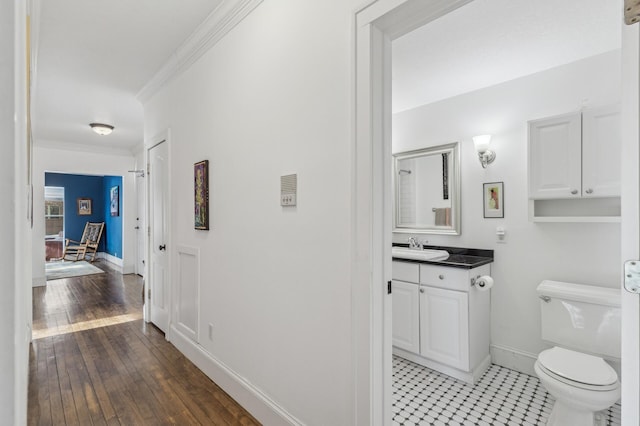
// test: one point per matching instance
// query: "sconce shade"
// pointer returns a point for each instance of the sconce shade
(485, 155)
(101, 129)
(482, 142)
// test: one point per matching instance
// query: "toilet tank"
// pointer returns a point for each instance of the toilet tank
(581, 317)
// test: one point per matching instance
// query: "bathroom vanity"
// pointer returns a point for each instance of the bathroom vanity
(441, 316)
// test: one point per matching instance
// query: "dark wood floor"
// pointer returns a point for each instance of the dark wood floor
(94, 361)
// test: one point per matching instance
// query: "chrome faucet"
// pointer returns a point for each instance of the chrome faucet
(415, 244)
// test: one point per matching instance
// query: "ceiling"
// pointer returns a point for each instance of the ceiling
(93, 57)
(487, 42)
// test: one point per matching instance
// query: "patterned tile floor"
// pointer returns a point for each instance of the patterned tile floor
(501, 397)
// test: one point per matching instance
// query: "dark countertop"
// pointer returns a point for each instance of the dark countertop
(458, 257)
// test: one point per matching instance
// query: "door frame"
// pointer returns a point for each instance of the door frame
(162, 137)
(376, 25)
(630, 221)
(141, 204)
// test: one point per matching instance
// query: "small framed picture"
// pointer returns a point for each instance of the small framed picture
(114, 199)
(201, 194)
(493, 199)
(84, 206)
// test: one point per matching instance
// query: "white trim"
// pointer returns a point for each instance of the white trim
(117, 263)
(256, 402)
(470, 377)
(630, 225)
(39, 281)
(514, 359)
(219, 22)
(184, 329)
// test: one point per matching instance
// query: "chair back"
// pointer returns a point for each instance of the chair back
(92, 233)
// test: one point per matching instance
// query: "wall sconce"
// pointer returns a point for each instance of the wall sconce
(485, 155)
(101, 128)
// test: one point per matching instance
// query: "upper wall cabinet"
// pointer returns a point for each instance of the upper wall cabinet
(576, 157)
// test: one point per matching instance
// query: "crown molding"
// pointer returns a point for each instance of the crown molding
(219, 22)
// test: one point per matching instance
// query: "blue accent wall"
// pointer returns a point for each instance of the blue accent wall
(114, 242)
(97, 188)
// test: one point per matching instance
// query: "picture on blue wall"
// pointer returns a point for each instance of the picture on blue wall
(84, 206)
(115, 201)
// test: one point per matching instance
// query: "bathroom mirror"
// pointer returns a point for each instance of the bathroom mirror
(427, 190)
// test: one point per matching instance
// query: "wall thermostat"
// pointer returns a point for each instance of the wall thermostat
(288, 190)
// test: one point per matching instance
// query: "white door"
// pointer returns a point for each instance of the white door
(630, 227)
(158, 288)
(140, 226)
(444, 326)
(406, 316)
(555, 157)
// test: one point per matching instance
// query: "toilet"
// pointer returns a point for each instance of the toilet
(583, 322)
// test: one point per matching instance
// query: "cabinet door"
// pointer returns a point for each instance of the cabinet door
(555, 157)
(444, 326)
(406, 313)
(601, 140)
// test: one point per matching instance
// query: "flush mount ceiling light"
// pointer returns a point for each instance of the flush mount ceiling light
(101, 129)
(485, 155)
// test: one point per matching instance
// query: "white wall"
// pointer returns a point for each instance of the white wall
(272, 98)
(65, 160)
(576, 252)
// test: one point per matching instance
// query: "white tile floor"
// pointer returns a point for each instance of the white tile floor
(501, 397)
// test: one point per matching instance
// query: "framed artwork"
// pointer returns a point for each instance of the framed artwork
(201, 195)
(493, 199)
(84, 206)
(114, 198)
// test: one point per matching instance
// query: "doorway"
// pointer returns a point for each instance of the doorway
(376, 27)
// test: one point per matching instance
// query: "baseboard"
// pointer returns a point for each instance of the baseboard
(39, 281)
(263, 408)
(470, 377)
(514, 359)
(116, 262)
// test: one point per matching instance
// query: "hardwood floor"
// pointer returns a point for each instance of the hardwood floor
(94, 361)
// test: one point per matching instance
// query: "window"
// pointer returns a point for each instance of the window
(54, 212)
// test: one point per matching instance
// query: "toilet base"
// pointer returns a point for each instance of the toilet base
(564, 415)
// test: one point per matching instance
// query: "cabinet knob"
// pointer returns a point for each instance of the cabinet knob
(574, 192)
(589, 191)
(441, 277)
(422, 290)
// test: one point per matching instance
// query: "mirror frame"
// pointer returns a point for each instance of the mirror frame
(454, 188)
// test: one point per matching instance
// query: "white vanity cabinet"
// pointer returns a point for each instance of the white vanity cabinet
(406, 306)
(444, 326)
(440, 320)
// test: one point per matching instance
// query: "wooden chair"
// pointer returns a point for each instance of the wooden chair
(88, 244)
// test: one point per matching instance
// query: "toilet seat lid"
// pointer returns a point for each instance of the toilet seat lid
(578, 367)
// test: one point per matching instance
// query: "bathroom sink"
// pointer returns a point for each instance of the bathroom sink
(414, 254)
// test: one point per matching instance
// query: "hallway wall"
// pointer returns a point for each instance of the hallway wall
(272, 98)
